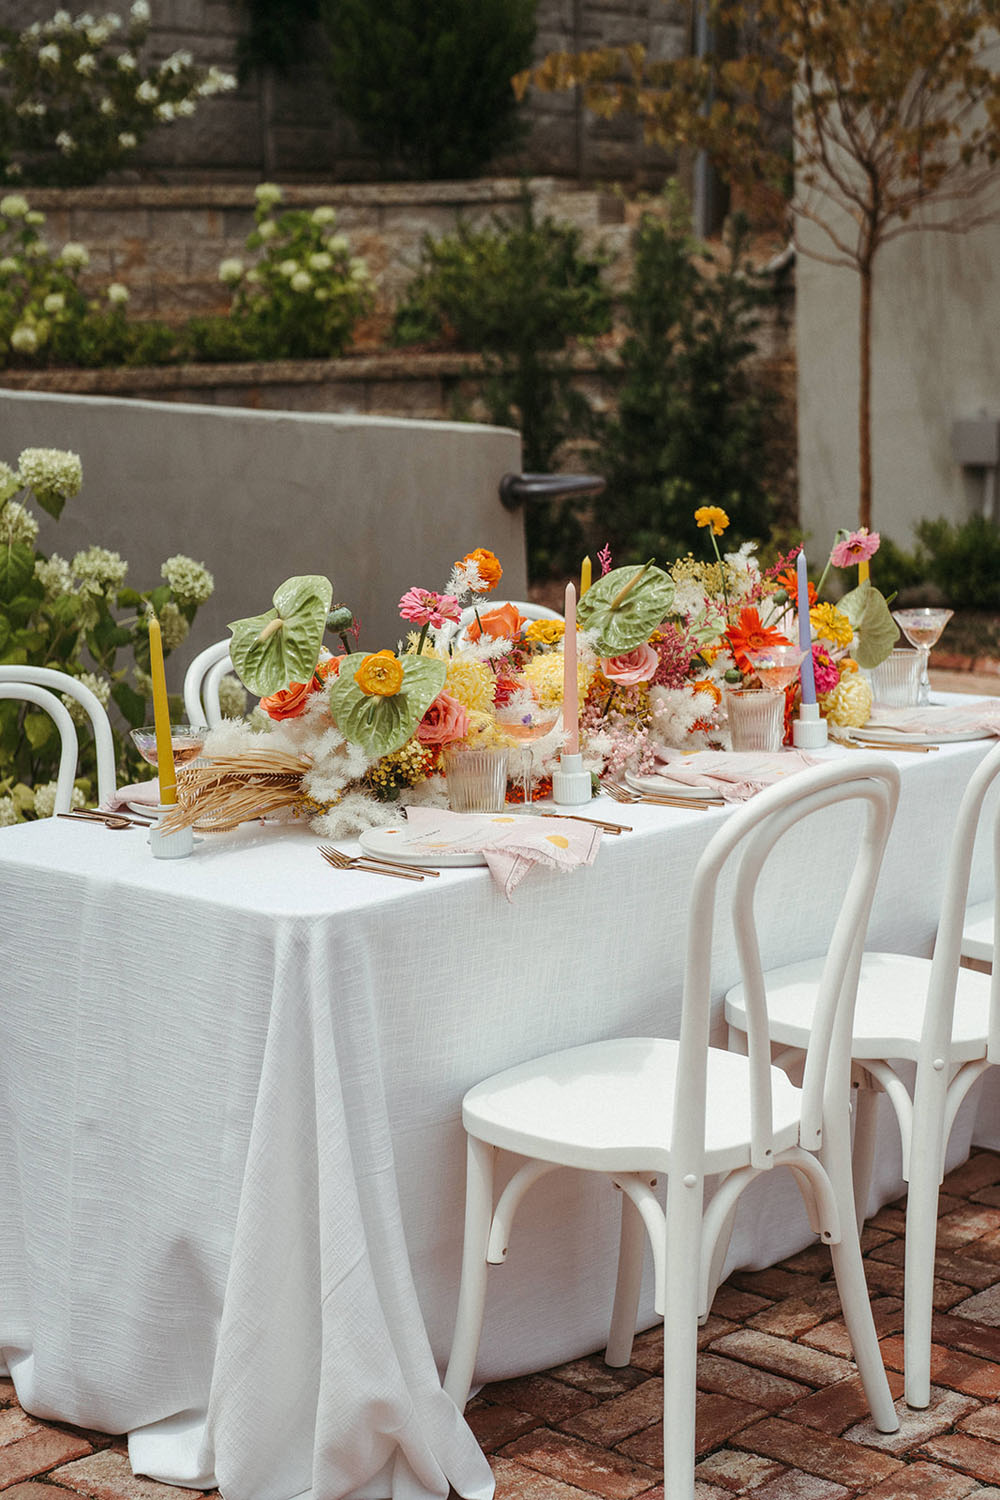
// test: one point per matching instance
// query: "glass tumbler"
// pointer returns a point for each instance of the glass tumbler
(477, 778)
(896, 681)
(756, 718)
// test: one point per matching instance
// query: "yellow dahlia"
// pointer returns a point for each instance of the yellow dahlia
(850, 703)
(545, 632)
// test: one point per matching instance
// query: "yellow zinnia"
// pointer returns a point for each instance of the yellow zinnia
(832, 624)
(380, 675)
(714, 516)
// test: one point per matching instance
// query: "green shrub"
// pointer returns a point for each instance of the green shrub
(79, 101)
(78, 616)
(963, 560)
(690, 427)
(428, 82)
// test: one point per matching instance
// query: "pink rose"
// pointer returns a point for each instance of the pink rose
(634, 666)
(444, 722)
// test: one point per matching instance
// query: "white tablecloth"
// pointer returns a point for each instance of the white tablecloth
(232, 1171)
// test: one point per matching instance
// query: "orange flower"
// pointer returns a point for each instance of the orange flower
(789, 581)
(487, 566)
(706, 685)
(506, 622)
(380, 675)
(751, 634)
(291, 701)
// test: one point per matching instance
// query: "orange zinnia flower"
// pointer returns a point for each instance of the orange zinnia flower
(751, 634)
(487, 566)
(789, 581)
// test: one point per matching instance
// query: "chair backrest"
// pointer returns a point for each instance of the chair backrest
(940, 1007)
(69, 745)
(201, 684)
(100, 724)
(749, 837)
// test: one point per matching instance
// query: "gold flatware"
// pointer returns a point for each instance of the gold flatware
(866, 744)
(381, 859)
(594, 822)
(109, 820)
(660, 799)
(341, 861)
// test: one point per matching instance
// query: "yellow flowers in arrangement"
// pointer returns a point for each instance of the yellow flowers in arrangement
(380, 675)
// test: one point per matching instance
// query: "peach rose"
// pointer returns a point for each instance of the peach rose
(444, 722)
(507, 622)
(634, 666)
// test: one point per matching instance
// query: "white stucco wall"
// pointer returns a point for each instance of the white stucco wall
(936, 360)
(376, 504)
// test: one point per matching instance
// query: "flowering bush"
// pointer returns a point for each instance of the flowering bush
(78, 616)
(302, 295)
(79, 101)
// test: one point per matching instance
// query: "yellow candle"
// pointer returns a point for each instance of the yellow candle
(585, 575)
(863, 571)
(161, 717)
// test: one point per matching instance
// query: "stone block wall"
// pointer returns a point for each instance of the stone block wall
(289, 127)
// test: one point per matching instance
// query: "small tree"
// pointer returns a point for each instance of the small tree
(428, 82)
(894, 121)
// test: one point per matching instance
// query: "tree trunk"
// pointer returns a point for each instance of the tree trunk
(865, 398)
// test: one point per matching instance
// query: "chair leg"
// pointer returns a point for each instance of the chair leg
(625, 1312)
(472, 1292)
(865, 1126)
(926, 1166)
(848, 1268)
(680, 1336)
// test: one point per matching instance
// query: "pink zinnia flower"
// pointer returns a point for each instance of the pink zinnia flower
(857, 546)
(425, 608)
(825, 669)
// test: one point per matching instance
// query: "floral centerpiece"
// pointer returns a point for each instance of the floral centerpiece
(340, 737)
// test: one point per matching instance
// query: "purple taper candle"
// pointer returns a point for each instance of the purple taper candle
(806, 672)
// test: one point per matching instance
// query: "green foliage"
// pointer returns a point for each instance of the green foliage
(79, 101)
(276, 33)
(77, 616)
(690, 424)
(518, 294)
(428, 82)
(963, 560)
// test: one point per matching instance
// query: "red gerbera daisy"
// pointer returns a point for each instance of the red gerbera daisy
(751, 634)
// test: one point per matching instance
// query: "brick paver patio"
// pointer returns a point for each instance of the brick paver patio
(781, 1415)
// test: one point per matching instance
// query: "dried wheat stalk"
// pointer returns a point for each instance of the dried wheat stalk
(236, 789)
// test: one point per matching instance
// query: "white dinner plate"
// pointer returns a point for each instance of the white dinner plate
(871, 735)
(142, 809)
(668, 788)
(398, 842)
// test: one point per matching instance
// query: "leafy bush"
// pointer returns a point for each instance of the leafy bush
(963, 560)
(690, 425)
(78, 101)
(78, 616)
(518, 294)
(428, 82)
(302, 296)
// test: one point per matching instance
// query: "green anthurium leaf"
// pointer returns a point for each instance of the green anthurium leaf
(17, 566)
(623, 626)
(267, 659)
(381, 725)
(875, 631)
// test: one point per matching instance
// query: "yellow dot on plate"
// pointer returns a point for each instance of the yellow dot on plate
(559, 839)
(503, 820)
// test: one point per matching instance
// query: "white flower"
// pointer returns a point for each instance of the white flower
(337, 244)
(126, 62)
(74, 254)
(189, 582)
(55, 575)
(85, 63)
(37, 250)
(14, 205)
(140, 12)
(45, 799)
(34, 216)
(358, 269)
(324, 214)
(32, 109)
(232, 698)
(16, 524)
(268, 193)
(84, 21)
(10, 482)
(98, 34)
(65, 141)
(127, 140)
(118, 293)
(55, 302)
(8, 812)
(49, 55)
(51, 472)
(101, 689)
(147, 93)
(177, 61)
(268, 229)
(301, 281)
(231, 270)
(320, 260)
(8, 265)
(24, 339)
(253, 276)
(107, 106)
(173, 625)
(99, 571)
(185, 107)
(288, 268)
(322, 294)
(61, 21)
(165, 111)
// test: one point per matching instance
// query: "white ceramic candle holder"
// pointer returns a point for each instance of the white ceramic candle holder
(809, 731)
(571, 784)
(174, 845)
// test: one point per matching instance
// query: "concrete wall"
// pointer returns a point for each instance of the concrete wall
(936, 360)
(377, 505)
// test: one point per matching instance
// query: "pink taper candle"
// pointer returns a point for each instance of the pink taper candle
(571, 693)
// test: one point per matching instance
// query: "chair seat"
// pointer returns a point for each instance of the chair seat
(977, 935)
(608, 1106)
(890, 1010)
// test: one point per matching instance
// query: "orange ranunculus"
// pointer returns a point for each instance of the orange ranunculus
(327, 669)
(289, 702)
(506, 622)
(487, 566)
(380, 675)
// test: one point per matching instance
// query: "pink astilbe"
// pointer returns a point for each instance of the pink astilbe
(426, 608)
(856, 547)
(675, 648)
(604, 558)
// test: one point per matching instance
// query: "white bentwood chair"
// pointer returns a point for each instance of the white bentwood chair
(39, 685)
(201, 684)
(930, 1014)
(635, 1108)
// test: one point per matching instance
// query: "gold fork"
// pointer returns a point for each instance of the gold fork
(658, 799)
(341, 861)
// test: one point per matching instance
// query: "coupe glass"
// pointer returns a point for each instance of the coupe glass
(186, 741)
(523, 720)
(922, 628)
(776, 666)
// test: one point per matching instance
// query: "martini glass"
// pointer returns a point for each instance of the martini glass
(922, 628)
(776, 666)
(523, 720)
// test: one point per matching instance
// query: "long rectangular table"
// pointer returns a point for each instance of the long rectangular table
(231, 1157)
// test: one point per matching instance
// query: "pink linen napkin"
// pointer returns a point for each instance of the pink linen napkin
(944, 718)
(512, 843)
(733, 774)
(146, 792)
